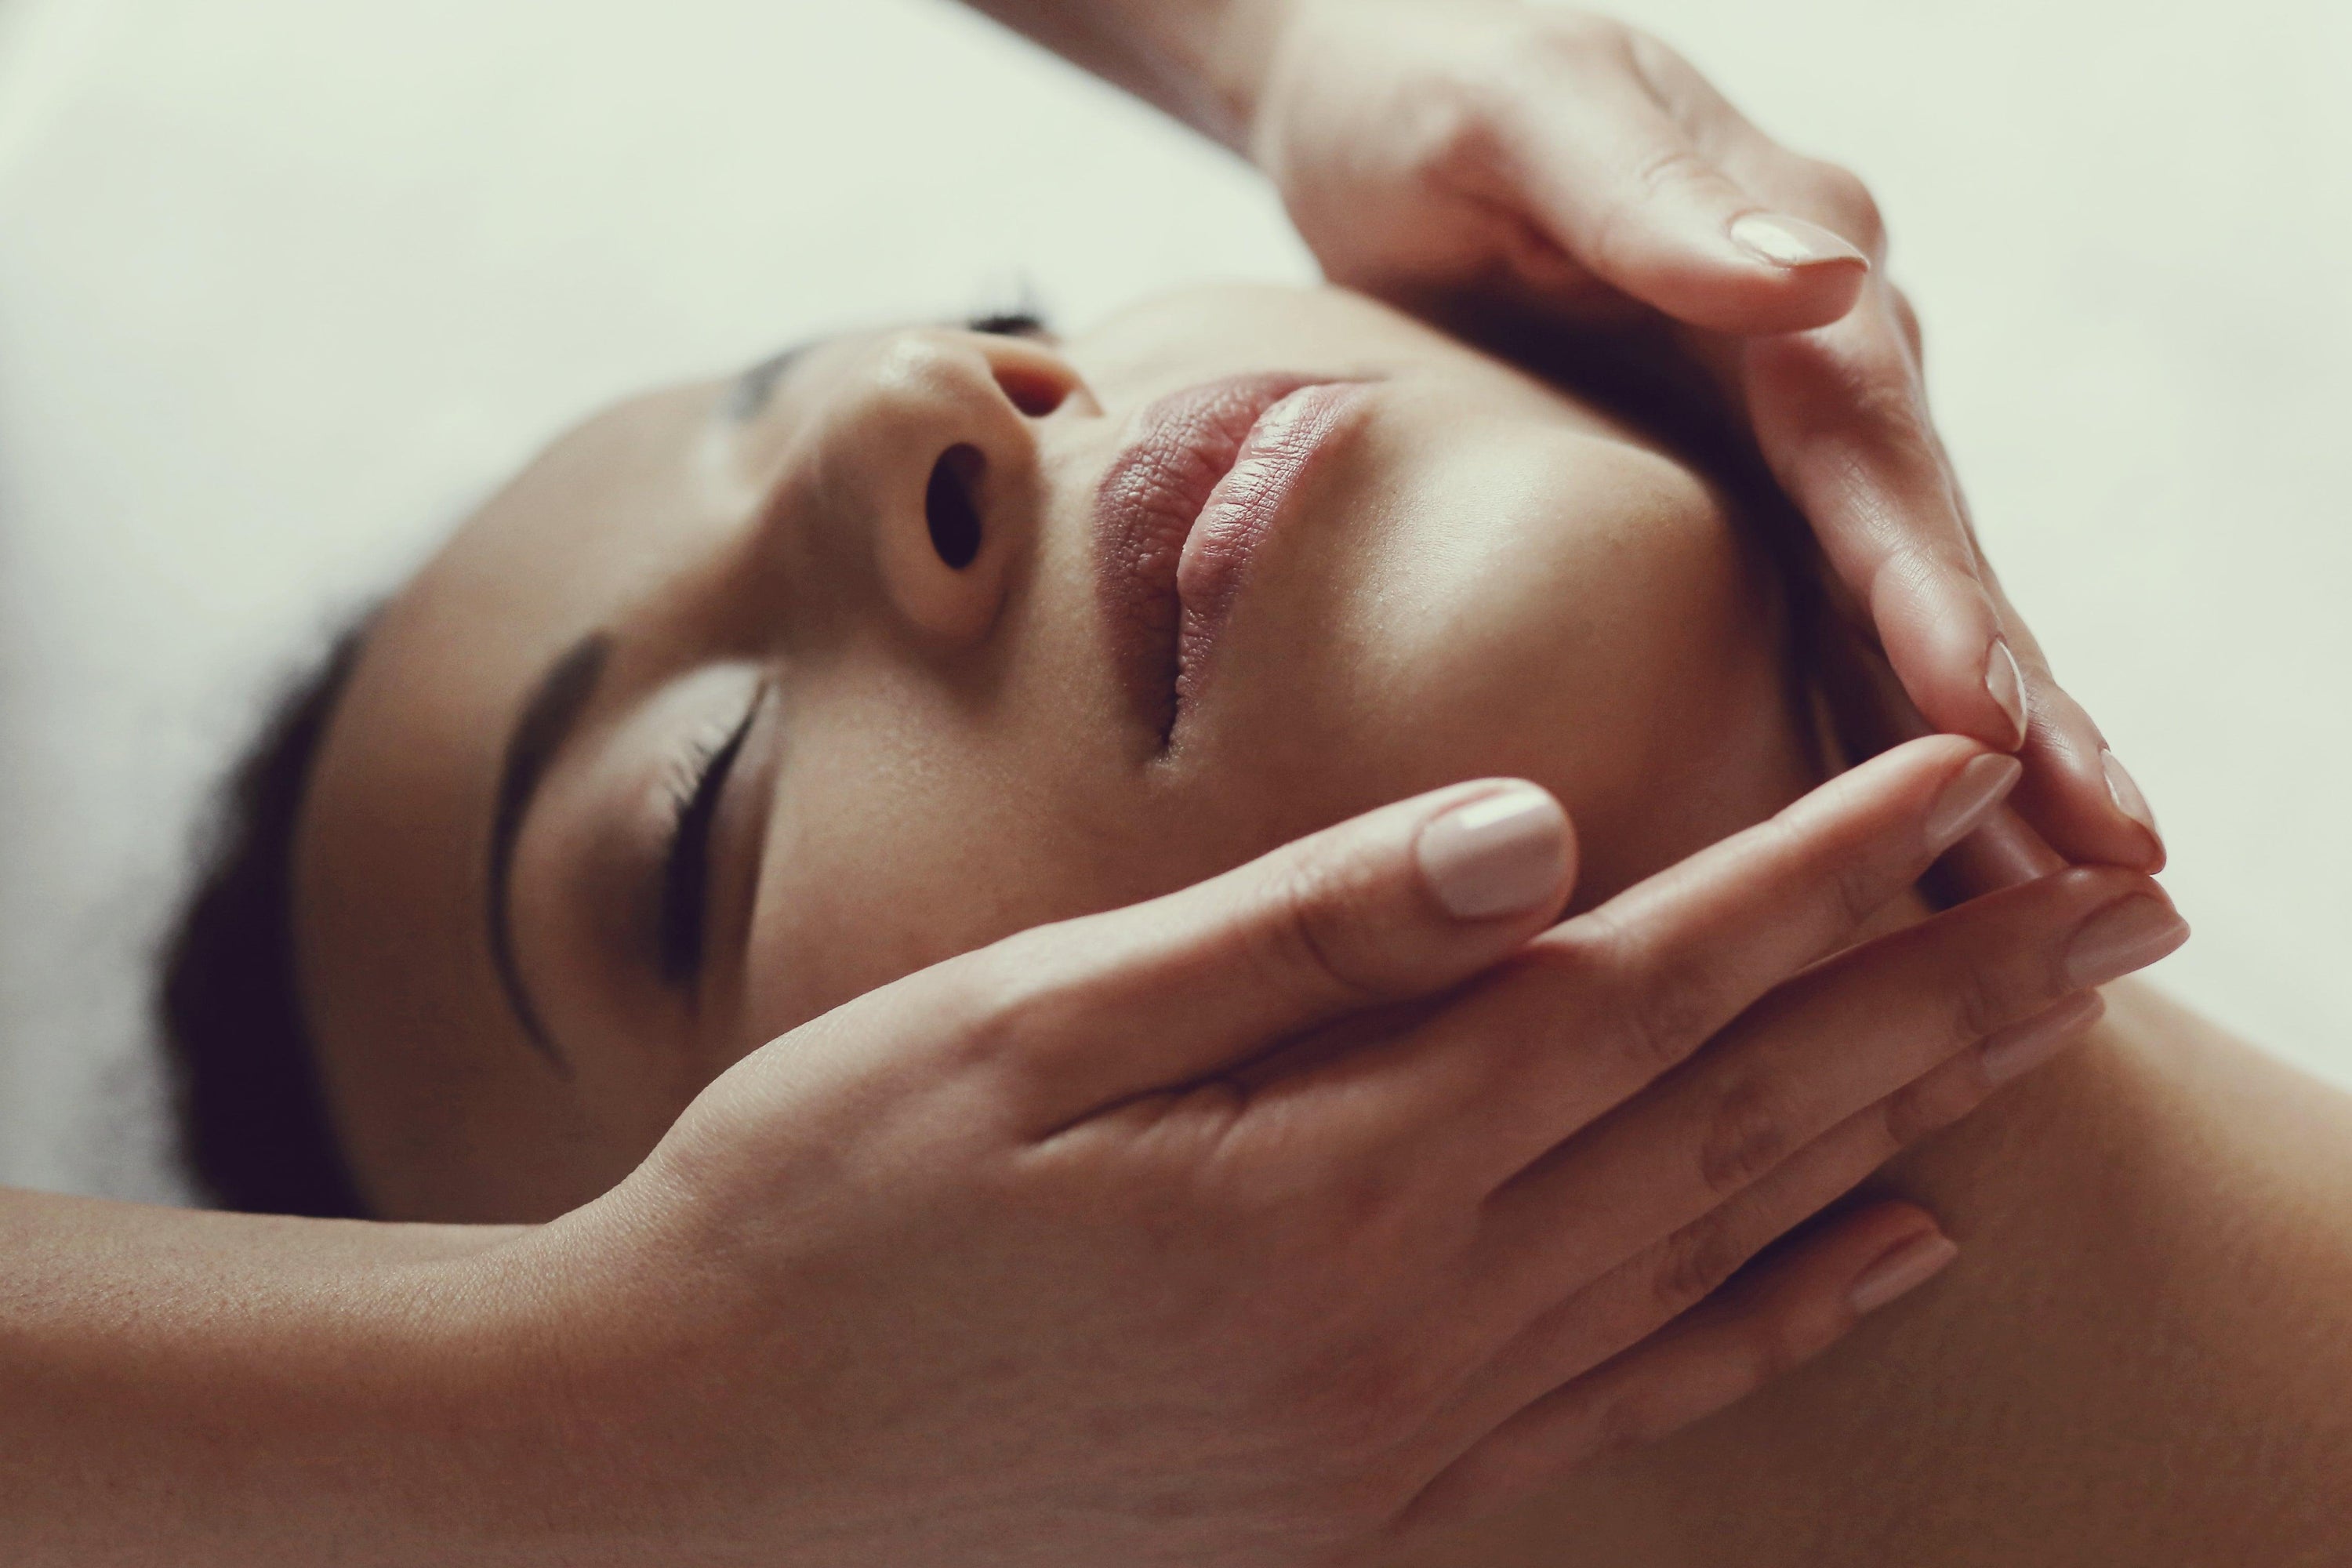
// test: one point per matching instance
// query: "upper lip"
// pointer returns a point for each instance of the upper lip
(1145, 509)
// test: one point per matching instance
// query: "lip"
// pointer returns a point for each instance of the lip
(1184, 506)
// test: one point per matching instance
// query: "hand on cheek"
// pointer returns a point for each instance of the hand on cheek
(1071, 1214)
(1571, 173)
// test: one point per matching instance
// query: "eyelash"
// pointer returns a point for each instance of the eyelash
(1008, 324)
(695, 789)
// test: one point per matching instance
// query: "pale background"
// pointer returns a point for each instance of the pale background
(284, 283)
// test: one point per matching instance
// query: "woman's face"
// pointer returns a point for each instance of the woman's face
(749, 697)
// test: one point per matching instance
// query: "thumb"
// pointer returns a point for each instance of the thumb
(1619, 185)
(1395, 905)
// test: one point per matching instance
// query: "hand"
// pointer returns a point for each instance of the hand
(1301, 1211)
(1574, 170)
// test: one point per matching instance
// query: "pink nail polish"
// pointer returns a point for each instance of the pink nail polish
(2125, 793)
(2130, 933)
(1502, 854)
(1969, 798)
(1786, 241)
(2005, 684)
(1904, 1267)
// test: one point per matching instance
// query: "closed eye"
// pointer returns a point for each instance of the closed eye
(1009, 324)
(686, 868)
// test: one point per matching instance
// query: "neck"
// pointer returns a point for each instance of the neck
(2138, 1357)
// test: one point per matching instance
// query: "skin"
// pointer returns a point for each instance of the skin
(946, 756)
(972, 772)
(1517, 167)
(2138, 1359)
(203, 1381)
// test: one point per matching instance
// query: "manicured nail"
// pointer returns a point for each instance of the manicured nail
(1904, 1267)
(1501, 854)
(1969, 798)
(2017, 1050)
(2130, 933)
(2125, 794)
(1786, 241)
(2007, 688)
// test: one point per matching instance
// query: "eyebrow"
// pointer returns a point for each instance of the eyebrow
(755, 386)
(545, 722)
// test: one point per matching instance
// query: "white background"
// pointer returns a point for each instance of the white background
(285, 283)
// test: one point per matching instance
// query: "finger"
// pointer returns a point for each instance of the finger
(1841, 417)
(1673, 1275)
(1763, 1327)
(1395, 904)
(1590, 1012)
(1602, 169)
(2076, 793)
(1894, 1010)
(1872, 712)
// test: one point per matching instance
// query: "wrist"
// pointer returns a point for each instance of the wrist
(255, 1390)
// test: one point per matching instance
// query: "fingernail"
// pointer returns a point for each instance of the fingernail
(2006, 687)
(1786, 241)
(2125, 794)
(2130, 933)
(2017, 1050)
(1904, 1267)
(1502, 854)
(1969, 798)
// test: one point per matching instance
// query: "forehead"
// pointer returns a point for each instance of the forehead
(417, 1054)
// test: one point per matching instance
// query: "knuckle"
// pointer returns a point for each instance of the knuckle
(1858, 890)
(1671, 169)
(1358, 1403)
(1855, 382)
(1566, 46)
(1850, 207)
(1773, 1346)
(1746, 1135)
(1310, 930)
(1990, 994)
(1009, 997)
(1625, 1424)
(1664, 1009)
(1929, 1105)
(1450, 115)
(1693, 1263)
(1622, 223)
(1583, 33)
(1660, 1025)
(1656, 1004)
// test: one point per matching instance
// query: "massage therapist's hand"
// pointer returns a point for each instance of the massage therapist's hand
(1291, 1214)
(1572, 169)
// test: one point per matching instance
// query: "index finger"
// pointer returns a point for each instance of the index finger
(1593, 1011)
(1841, 416)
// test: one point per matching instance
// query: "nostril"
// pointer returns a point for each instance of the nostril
(947, 505)
(1033, 392)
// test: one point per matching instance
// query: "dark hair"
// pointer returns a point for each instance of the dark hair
(252, 1124)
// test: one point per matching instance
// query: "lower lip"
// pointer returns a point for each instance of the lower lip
(1242, 510)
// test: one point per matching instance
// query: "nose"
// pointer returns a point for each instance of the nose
(929, 447)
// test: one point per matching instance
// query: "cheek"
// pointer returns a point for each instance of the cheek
(914, 826)
(1557, 607)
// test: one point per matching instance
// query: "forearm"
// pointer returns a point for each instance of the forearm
(195, 1388)
(1200, 60)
